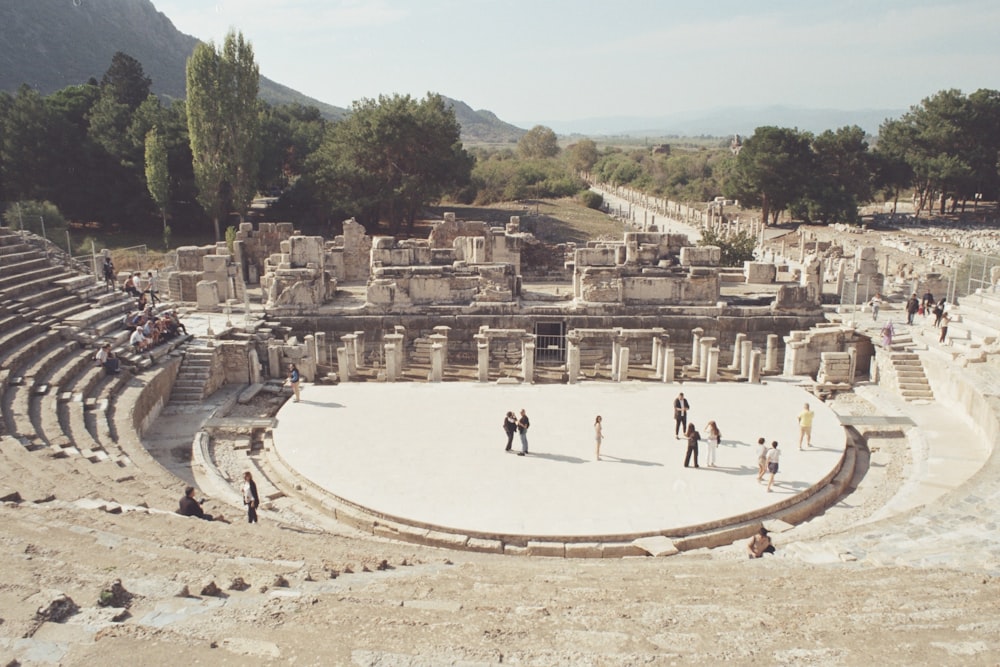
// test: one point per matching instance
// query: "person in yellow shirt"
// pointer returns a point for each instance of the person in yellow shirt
(806, 425)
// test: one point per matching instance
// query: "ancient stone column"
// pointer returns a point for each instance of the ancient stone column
(572, 360)
(754, 375)
(696, 335)
(310, 342)
(274, 362)
(622, 374)
(706, 343)
(616, 353)
(483, 357)
(438, 339)
(745, 358)
(321, 356)
(391, 365)
(771, 358)
(668, 365)
(712, 367)
(253, 363)
(359, 349)
(396, 340)
(343, 364)
(794, 351)
(528, 362)
(657, 357)
(437, 362)
(737, 351)
(853, 353)
(443, 331)
(349, 343)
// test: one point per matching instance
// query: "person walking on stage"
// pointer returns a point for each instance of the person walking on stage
(681, 407)
(522, 429)
(806, 425)
(598, 436)
(692, 447)
(772, 463)
(293, 380)
(510, 428)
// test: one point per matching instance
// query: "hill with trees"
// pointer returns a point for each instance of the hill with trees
(52, 44)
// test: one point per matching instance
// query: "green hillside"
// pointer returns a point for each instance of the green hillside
(51, 44)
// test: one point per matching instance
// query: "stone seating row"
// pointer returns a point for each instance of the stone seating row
(15, 265)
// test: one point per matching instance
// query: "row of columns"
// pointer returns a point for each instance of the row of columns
(746, 361)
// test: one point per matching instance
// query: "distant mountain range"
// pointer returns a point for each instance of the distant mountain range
(725, 121)
(51, 44)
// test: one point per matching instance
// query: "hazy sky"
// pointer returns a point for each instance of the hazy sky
(536, 61)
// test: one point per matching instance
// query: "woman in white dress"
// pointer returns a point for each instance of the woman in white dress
(712, 439)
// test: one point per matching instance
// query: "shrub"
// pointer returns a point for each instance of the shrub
(591, 199)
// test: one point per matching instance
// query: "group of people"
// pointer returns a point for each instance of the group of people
(513, 424)
(713, 436)
(140, 287)
(149, 329)
(925, 306)
(189, 506)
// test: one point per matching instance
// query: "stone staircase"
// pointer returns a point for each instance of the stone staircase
(189, 387)
(910, 378)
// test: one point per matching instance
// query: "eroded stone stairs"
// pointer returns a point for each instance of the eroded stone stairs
(193, 376)
(910, 377)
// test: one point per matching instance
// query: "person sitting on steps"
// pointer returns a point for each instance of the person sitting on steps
(191, 507)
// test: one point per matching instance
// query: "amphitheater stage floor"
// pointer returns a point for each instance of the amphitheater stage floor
(433, 454)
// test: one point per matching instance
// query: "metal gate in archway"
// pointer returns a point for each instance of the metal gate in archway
(550, 343)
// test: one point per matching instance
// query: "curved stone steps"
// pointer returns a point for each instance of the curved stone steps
(22, 472)
(17, 399)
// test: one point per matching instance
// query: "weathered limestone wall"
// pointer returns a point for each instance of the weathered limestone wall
(252, 247)
(804, 349)
(349, 255)
(756, 322)
(647, 268)
(408, 286)
(296, 278)
(234, 367)
(153, 395)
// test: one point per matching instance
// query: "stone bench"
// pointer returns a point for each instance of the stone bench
(18, 265)
(13, 287)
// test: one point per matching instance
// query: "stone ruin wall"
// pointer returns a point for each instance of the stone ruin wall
(647, 268)
(805, 348)
(755, 322)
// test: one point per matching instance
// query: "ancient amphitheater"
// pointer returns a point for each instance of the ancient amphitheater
(394, 528)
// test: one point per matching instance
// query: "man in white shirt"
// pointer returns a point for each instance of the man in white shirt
(138, 340)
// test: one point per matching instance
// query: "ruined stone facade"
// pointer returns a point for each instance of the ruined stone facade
(647, 268)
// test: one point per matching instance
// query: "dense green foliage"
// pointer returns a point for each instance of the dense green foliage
(539, 142)
(223, 123)
(157, 175)
(502, 177)
(947, 146)
(390, 158)
(681, 175)
(591, 199)
(36, 216)
(736, 249)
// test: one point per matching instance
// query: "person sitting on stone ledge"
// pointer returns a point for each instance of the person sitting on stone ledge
(106, 358)
(129, 287)
(760, 544)
(191, 507)
(138, 340)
